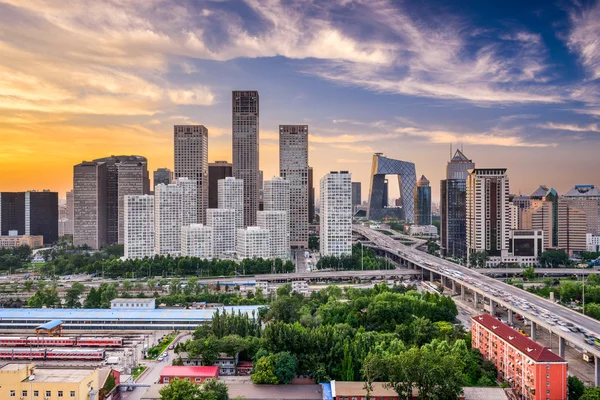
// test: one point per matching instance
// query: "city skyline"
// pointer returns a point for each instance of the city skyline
(514, 84)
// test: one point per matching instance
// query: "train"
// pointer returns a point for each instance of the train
(52, 354)
(61, 341)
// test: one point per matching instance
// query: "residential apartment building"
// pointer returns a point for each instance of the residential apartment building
(592, 243)
(138, 226)
(276, 222)
(245, 131)
(423, 202)
(336, 214)
(293, 166)
(533, 371)
(167, 219)
(587, 199)
(231, 196)
(222, 222)
(189, 200)
(253, 242)
(90, 204)
(217, 171)
(30, 213)
(572, 227)
(488, 213)
(191, 161)
(453, 206)
(162, 175)
(277, 194)
(197, 241)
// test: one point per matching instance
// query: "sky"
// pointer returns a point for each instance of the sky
(516, 84)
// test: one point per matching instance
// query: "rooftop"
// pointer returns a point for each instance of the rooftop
(459, 156)
(249, 391)
(50, 325)
(133, 300)
(13, 367)
(183, 371)
(60, 375)
(532, 349)
(583, 191)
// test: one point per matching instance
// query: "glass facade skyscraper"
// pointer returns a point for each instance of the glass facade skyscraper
(423, 202)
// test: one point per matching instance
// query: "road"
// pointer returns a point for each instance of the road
(532, 307)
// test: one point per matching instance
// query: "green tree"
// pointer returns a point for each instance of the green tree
(576, 388)
(180, 390)
(529, 273)
(72, 295)
(591, 393)
(28, 285)
(127, 286)
(554, 258)
(263, 372)
(284, 365)
(214, 390)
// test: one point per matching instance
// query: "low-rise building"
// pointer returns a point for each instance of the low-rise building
(300, 287)
(243, 368)
(226, 363)
(193, 374)
(592, 242)
(20, 240)
(133, 304)
(533, 371)
(423, 230)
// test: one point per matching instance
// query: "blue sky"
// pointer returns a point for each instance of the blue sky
(517, 84)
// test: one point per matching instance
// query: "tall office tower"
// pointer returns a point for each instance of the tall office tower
(133, 180)
(539, 217)
(514, 216)
(261, 203)
(189, 200)
(245, 131)
(90, 204)
(311, 196)
(216, 171)
(138, 226)
(70, 206)
(132, 171)
(587, 199)
(521, 203)
(572, 227)
(336, 214)
(222, 221)
(488, 213)
(191, 161)
(356, 194)
(552, 196)
(277, 194)
(167, 219)
(423, 202)
(293, 166)
(253, 242)
(386, 193)
(453, 207)
(30, 213)
(231, 196)
(197, 241)
(276, 222)
(162, 175)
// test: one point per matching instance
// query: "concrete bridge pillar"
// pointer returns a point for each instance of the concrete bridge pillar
(597, 371)
(462, 292)
(510, 316)
(431, 276)
(561, 346)
(443, 280)
(492, 307)
(476, 298)
(533, 331)
(453, 287)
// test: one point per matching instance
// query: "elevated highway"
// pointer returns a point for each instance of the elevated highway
(539, 311)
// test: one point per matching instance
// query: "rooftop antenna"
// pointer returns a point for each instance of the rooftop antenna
(462, 147)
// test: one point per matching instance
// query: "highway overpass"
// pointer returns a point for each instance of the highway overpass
(534, 308)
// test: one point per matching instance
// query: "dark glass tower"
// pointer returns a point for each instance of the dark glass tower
(423, 202)
(216, 171)
(30, 213)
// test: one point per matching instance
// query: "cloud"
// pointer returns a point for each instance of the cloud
(571, 127)
(199, 96)
(583, 38)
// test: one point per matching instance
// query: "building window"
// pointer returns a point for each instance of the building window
(36, 393)
(197, 379)
(24, 393)
(72, 393)
(60, 393)
(48, 393)
(12, 393)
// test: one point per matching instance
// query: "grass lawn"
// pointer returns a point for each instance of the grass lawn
(137, 371)
(157, 350)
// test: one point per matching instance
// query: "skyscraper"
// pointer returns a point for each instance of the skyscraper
(356, 194)
(245, 132)
(587, 199)
(162, 175)
(222, 222)
(453, 206)
(572, 227)
(277, 194)
(276, 223)
(311, 196)
(197, 241)
(70, 207)
(423, 202)
(488, 213)
(293, 166)
(539, 217)
(253, 242)
(336, 214)
(189, 200)
(138, 226)
(191, 161)
(167, 219)
(231, 196)
(90, 204)
(30, 213)
(216, 171)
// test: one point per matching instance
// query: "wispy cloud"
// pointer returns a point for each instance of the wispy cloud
(571, 127)
(583, 38)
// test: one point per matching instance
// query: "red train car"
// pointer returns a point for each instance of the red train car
(73, 354)
(13, 341)
(51, 341)
(23, 354)
(100, 341)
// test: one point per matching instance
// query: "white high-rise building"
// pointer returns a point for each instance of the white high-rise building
(167, 219)
(293, 166)
(191, 161)
(189, 200)
(197, 241)
(277, 194)
(279, 230)
(222, 221)
(253, 242)
(138, 226)
(336, 214)
(488, 213)
(231, 196)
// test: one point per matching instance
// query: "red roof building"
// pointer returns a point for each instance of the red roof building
(192, 374)
(531, 369)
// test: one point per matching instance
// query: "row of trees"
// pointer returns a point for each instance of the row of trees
(14, 258)
(360, 259)
(211, 389)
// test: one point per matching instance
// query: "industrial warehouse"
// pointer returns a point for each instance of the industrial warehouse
(111, 319)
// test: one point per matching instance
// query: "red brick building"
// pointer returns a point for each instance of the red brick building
(533, 371)
(193, 374)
